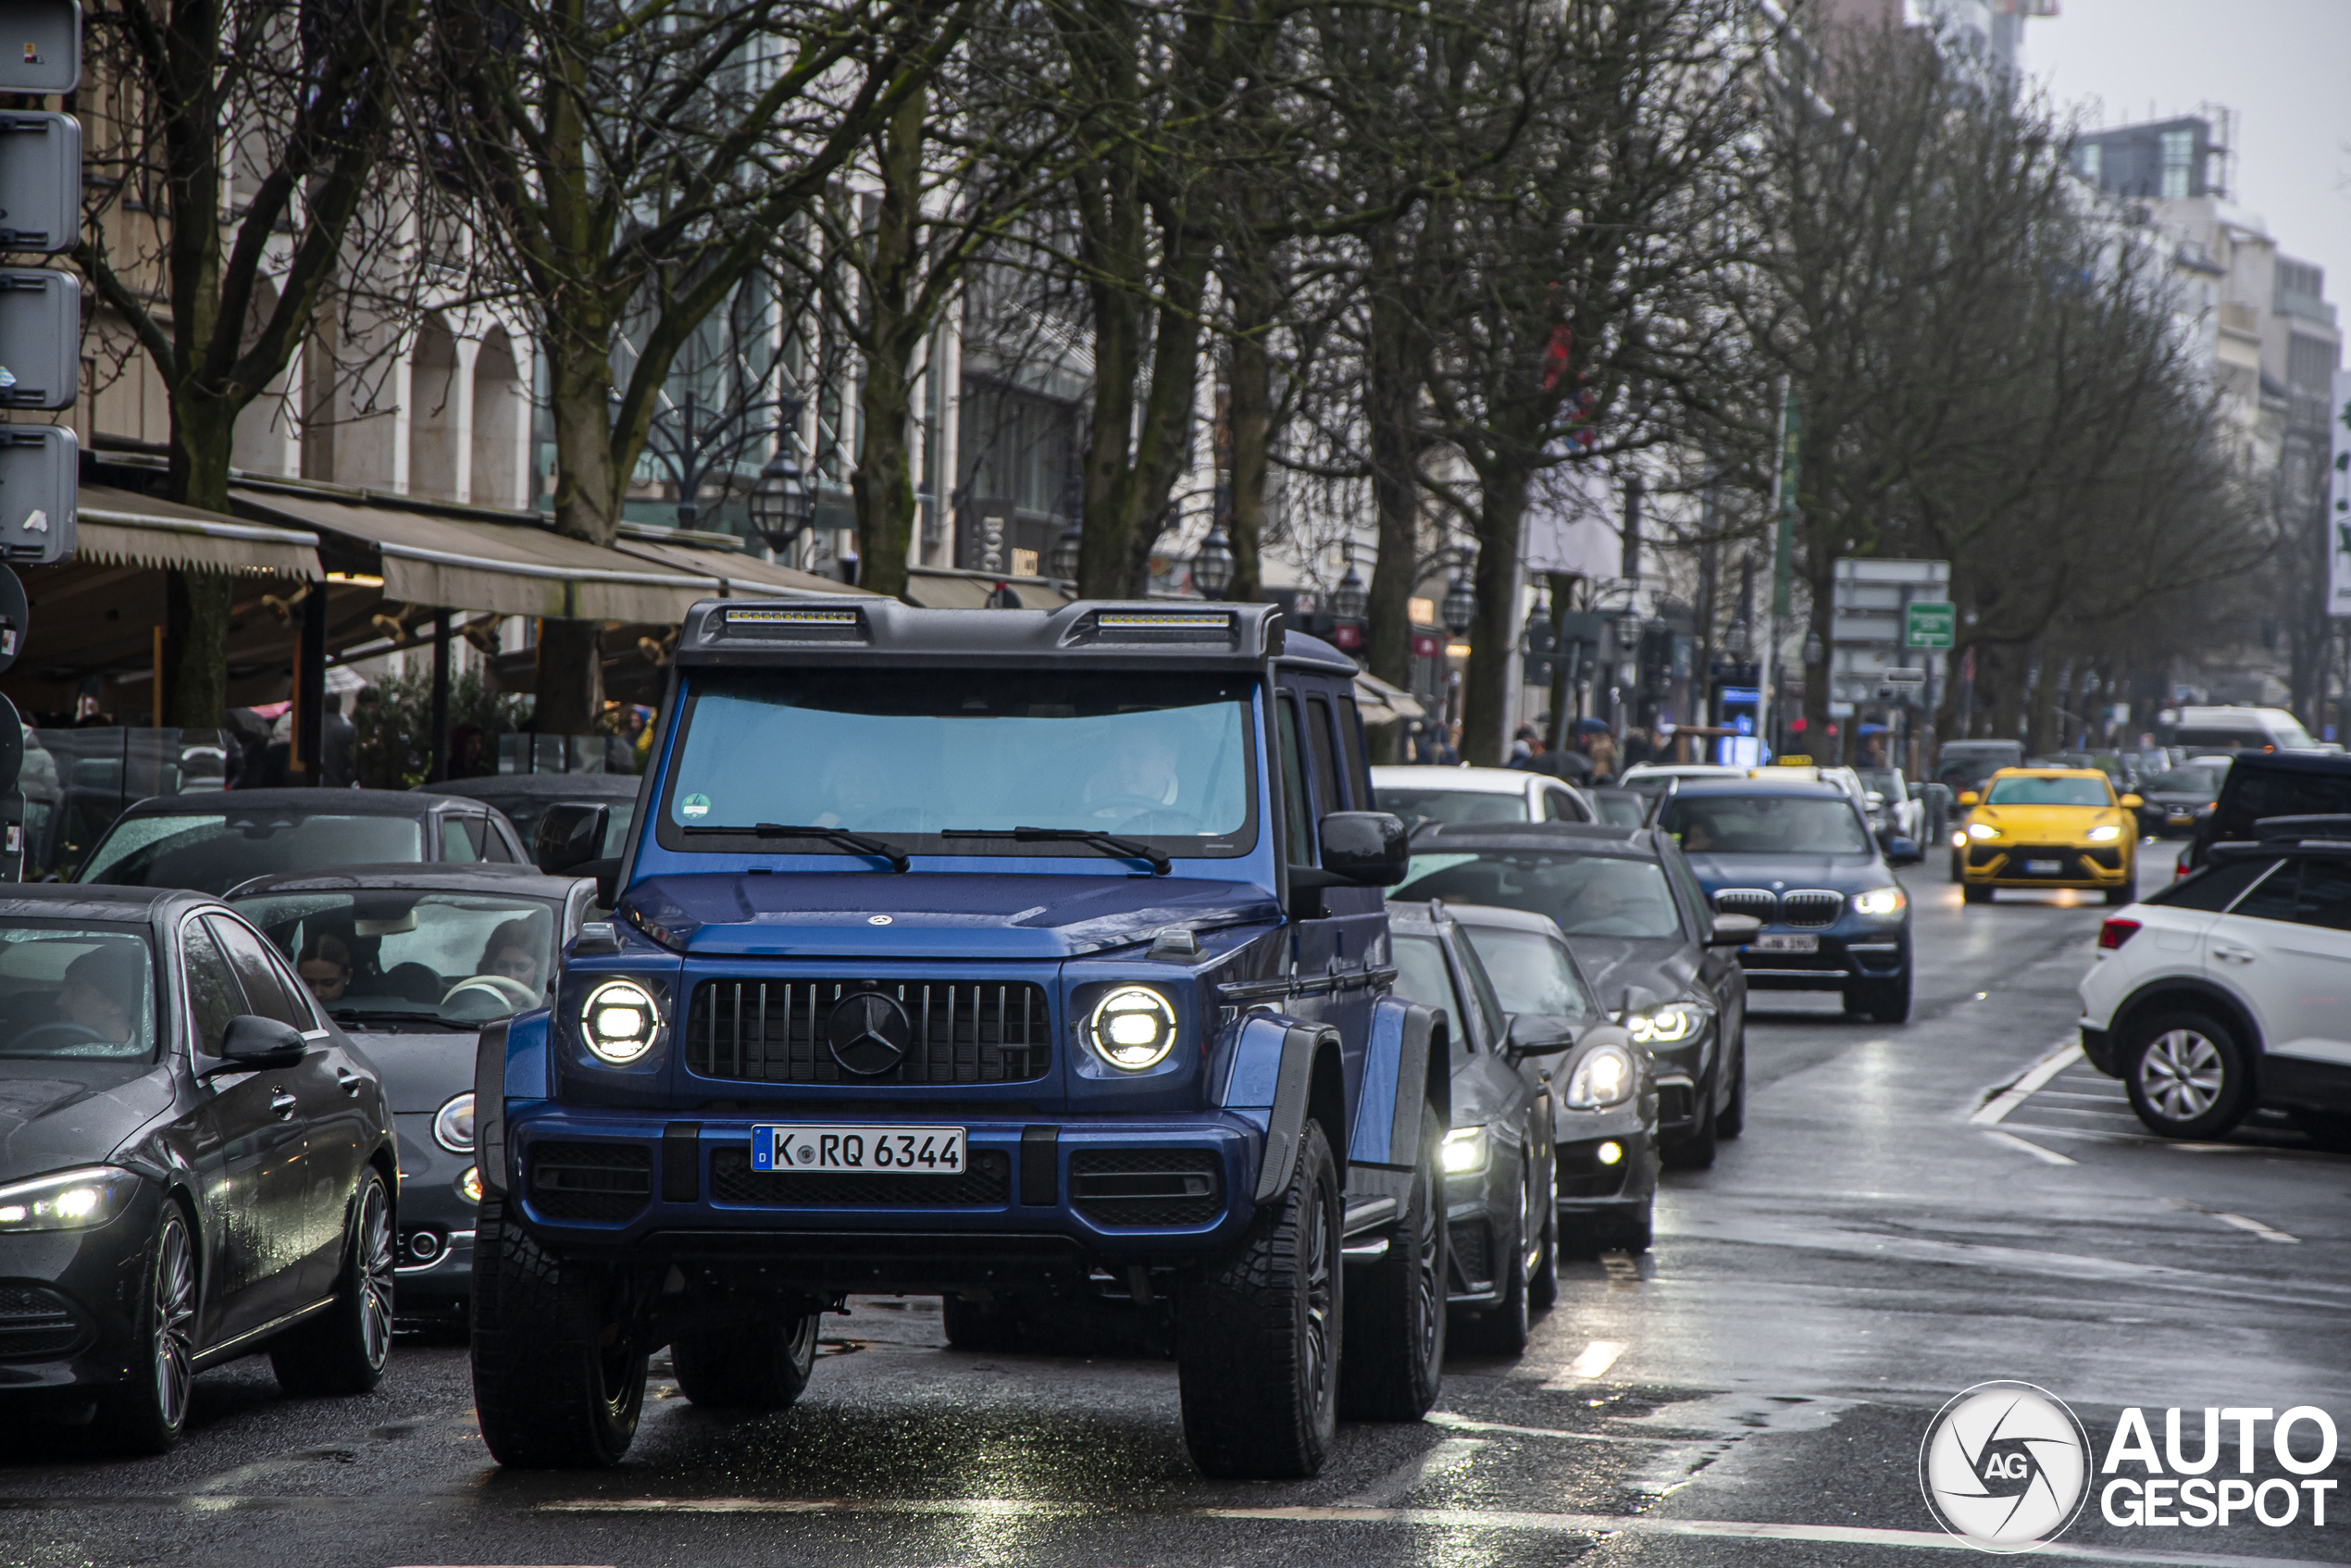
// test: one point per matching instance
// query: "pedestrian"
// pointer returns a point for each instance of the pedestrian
(1449, 747)
(1602, 750)
(1525, 746)
(337, 743)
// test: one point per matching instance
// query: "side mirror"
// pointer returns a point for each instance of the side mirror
(2131, 802)
(252, 1042)
(1534, 1034)
(1903, 851)
(1967, 797)
(1366, 848)
(571, 834)
(1733, 930)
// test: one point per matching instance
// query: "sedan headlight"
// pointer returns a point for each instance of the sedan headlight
(2104, 833)
(1603, 1077)
(619, 1021)
(1670, 1024)
(1980, 831)
(1132, 1028)
(1465, 1151)
(78, 1200)
(1880, 902)
(452, 1128)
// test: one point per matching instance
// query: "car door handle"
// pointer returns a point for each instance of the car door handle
(2227, 953)
(282, 1104)
(350, 1081)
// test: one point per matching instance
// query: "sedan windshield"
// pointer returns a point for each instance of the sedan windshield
(1451, 807)
(212, 852)
(960, 758)
(2049, 792)
(2205, 781)
(1765, 825)
(1532, 972)
(383, 958)
(1588, 895)
(75, 992)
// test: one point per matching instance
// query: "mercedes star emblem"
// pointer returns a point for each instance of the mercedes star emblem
(870, 1033)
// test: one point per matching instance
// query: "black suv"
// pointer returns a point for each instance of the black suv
(1006, 956)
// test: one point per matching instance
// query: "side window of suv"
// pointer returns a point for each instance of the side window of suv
(2272, 898)
(2213, 889)
(2325, 896)
(1350, 741)
(1318, 737)
(1299, 819)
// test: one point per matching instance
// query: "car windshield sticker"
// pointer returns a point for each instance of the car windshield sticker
(694, 805)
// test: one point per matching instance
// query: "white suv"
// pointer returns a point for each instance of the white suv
(2231, 990)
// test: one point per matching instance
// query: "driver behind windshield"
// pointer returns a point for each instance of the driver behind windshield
(513, 950)
(100, 989)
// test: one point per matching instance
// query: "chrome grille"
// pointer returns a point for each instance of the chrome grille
(1761, 902)
(1811, 906)
(962, 1031)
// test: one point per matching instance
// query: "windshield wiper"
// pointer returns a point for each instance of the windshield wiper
(1109, 843)
(351, 1016)
(842, 836)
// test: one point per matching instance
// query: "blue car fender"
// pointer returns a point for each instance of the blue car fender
(1406, 1066)
(1285, 1071)
(511, 1061)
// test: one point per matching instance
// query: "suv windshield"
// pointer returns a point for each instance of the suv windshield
(909, 754)
(1765, 825)
(2048, 792)
(1588, 895)
(212, 852)
(80, 991)
(383, 958)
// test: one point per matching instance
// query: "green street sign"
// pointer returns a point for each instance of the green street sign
(1926, 625)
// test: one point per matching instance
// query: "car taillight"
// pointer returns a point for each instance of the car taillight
(2117, 931)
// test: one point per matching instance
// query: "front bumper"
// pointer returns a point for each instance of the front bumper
(2002, 865)
(1848, 951)
(1036, 1197)
(434, 1268)
(69, 1301)
(1591, 1187)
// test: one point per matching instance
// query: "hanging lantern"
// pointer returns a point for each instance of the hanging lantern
(1460, 609)
(1060, 562)
(1351, 598)
(1213, 566)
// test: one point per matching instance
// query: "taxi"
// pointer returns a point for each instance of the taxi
(2049, 827)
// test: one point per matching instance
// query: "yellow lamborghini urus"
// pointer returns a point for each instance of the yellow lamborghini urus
(2051, 827)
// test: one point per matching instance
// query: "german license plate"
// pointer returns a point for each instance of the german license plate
(1778, 943)
(2043, 867)
(2179, 816)
(931, 1150)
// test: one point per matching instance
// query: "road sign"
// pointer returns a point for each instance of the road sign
(1929, 623)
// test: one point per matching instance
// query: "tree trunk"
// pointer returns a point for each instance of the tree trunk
(1249, 416)
(195, 628)
(570, 680)
(1392, 372)
(883, 486)
(1485, 696)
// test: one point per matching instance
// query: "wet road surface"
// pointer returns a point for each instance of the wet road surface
(1912, 1211)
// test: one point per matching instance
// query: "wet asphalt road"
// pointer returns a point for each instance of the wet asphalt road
(1753, 1391)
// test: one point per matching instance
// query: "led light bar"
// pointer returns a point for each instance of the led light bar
(792, 617)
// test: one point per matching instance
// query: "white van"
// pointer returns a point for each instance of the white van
(2240, 730)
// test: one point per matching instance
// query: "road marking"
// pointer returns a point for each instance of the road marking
(1596, 1358)
(2046, 1156)
(2061, 1056)
(2267, 1233)
(1413, 1473)
(1453, 1422)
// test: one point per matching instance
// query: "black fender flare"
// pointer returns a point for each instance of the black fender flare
(490, 1108)
(1307, 1086)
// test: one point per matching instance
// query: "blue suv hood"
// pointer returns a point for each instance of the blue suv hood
(917, 916)
(1845, 873)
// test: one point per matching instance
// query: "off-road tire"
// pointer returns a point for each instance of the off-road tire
(2178, 1089)
(764, 1366)
(1260, 1332)
(1394, 1359)
(1731, 1120)
(149, 1412)
(342, 1350)
(550, 1392)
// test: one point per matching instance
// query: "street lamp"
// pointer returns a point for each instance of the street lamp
(1813, 649)
(1459, 608)
(1351, 598)
(1213, 566)
(1628, 628)
(1734, 640)
(1060, 562)
(782, 505)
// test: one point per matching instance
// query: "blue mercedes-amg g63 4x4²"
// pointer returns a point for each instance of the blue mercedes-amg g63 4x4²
(1000, 954)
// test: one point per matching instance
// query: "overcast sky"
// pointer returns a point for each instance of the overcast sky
(2284, 67)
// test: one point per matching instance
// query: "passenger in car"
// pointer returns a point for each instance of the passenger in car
(325, 967)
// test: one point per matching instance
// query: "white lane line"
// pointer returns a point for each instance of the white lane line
(2062, 1055)
(1453, 1422)
(2046, 1156)
(1595, 1358)
(1413, 1473)
(2267, 1233)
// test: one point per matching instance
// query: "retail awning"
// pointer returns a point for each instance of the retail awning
(121, 528)
(937, 588)
(1383, 704)
(739, 575)
(505, 569)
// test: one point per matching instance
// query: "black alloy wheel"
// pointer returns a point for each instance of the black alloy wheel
(147, 1414)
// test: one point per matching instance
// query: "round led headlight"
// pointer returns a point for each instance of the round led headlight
(618, 1021)
(1604, 1078)
(452, 1128)
(1133, 1029)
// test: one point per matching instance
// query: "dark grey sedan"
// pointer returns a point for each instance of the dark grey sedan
(414, 960)
(211, 842)
(195, 1165)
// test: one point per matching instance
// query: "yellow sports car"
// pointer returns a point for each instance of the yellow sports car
(2051, 827)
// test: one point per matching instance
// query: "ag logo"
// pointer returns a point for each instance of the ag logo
(2005, 1466)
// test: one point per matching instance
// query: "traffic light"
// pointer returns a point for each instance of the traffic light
(40, 342)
